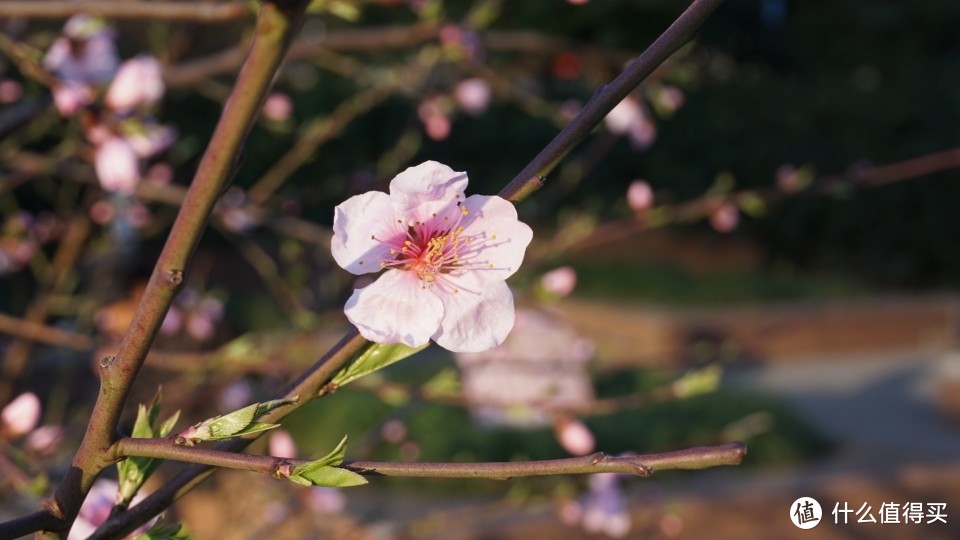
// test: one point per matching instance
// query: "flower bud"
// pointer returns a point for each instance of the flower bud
(117, 167)
(725, 218)
(282, 445)
(472, 95)
(277, 107)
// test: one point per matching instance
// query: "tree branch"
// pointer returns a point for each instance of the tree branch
(607, 97)
(643, 465)
(183, 11)
(277, 24)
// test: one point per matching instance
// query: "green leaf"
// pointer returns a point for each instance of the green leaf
(226, 425)
(324, 471)
(175, 531)
(239, 422)
(375, 357)
(268, 406)
(253, 427)
(134, 471)
(700, 381)
(332, 477)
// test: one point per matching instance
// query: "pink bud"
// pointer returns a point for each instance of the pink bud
(435, 121)
(139, 81)
(473, 95)
(325, 500)
(725, 218)
(574, 436)
(20, 416)
(282, 444)
(393, 431)
(621, 117)
(560, 281)
(640, 196)
(117, 166)
(277, 107)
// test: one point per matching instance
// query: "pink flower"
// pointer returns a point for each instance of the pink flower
(630, 118)
(10, 91)
(446, 259)
(139, 81)
(277, 107)
(85, 53)
(433, 115)
(44, 439)
(117, 166)
(640, 196)
(69, 97)
(20, 416)
(472, 95)
(560, 281)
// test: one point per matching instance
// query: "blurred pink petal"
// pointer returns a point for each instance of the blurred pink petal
(574, 436)
(669, 98)
(725, 218)
(44, 439)
(117, 166)
(278, 107)
(281, 444)
(640, 196)
(393, 431)
(788, 178)
(151, 139)
(473, 95)
(10, 91)
(69, 97)
(138, 82)
(20, 416)
(325, 500)
(560, 281)
(621, 117)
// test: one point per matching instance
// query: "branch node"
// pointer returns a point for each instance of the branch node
(283, 470)
(175, 277)
(107, 362)
(597, 458)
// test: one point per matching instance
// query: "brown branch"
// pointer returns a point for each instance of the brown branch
(47, 335)
(642, 465)
(206, 12)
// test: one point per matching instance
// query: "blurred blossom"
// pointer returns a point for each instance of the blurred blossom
(409, 451)
(567, 65)
(325, 500)
(278, 107)
(18, 244)
(46, 227)
(538, 368)
(138, 82)
(10, 91)
(433, 115)
(578, 2)
(640, 196)
(570, 512)
(393, 431)
(85, 53)
(20, 416)
(236, 395)
(234, 212)
(281, 444)
(725, 217)
(44, 440)
(160, 173)
(788, 178)
(574, 436)
(197, 314)
(96, 509)
(151, 139)
(461, 41)
(117, 167)
(472, 95)
(630, 118)
(559, 282)
(274, 512)
(605, 507)
(669, 98)
(101, 212)
(69, 97)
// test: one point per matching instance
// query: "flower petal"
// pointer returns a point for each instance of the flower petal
(395, 309)
(117, 166)
(498, 238)
(360, 225)
(478, 316)
(426, 189)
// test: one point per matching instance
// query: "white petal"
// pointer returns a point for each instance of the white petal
(477, 317)
(426, 189)
(498, 238)
(395, 309)
(361, 225)
(117, 166)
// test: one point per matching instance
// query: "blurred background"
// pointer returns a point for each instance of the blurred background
(759, 244)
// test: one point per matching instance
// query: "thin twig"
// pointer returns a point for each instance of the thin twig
(41, 333)
(607, 97)
(642, 465)
(208, 12)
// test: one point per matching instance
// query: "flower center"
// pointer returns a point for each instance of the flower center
(434, 248)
